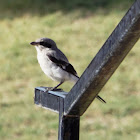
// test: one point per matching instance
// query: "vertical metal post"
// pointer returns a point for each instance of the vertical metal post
(68, 125)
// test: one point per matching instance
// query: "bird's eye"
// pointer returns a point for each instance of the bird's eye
(45, 44)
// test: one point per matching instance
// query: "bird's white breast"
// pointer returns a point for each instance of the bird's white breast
(45, 63)
(51, 69)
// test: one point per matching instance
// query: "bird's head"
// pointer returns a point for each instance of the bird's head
(44, 43)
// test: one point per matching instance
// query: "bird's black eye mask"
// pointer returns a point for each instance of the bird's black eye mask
(45, 44)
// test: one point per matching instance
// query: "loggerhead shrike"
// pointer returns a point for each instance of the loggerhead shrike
(54, 63)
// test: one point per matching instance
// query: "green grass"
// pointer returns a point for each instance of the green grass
(77, 26)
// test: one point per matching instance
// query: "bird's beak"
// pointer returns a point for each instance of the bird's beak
(34, 43)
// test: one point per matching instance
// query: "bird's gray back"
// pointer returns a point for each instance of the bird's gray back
(59, 55)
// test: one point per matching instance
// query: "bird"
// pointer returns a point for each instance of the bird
(54, 63)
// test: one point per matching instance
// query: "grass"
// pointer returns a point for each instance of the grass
(77, 26)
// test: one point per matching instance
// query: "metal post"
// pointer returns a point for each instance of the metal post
(68, 125)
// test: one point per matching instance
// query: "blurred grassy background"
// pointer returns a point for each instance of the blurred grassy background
(77, 26)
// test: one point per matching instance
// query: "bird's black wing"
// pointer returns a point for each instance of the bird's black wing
(64, 65)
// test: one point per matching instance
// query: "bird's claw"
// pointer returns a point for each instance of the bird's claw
(46, 89)
(56, 89)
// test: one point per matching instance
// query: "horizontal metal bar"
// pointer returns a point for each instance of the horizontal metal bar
(48, 99)
(105, 62)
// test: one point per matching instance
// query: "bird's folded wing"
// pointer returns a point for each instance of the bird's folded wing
(64, 65)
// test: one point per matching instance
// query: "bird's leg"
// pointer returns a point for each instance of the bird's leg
(54, 88)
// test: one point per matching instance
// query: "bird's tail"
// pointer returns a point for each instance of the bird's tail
(101, 99)
(75, 79)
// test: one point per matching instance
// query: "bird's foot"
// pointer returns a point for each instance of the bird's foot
(56, 89)
(46, 89)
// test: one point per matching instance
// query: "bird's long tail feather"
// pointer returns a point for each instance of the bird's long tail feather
(98, 97)
(101, 99)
